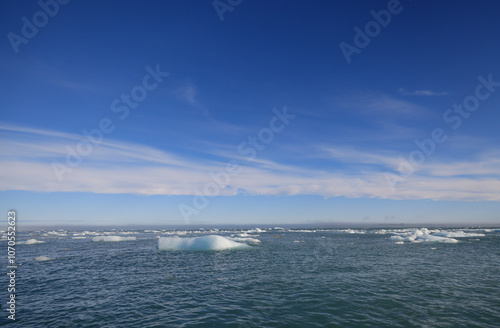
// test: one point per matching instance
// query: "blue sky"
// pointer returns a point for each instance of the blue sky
(164, 113)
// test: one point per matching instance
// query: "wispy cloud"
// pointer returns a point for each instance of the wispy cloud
(349, 155)
(483, 167)
(423, 92)
(120, 167)
(379, 104)
(187, 93)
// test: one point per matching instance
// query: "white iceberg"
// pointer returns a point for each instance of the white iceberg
(30, 242)
(211, 242)
(43, 259)
(458, 234)
(423, 235)
(113, 238)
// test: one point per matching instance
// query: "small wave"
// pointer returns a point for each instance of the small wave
(248, 240)
(113, 238)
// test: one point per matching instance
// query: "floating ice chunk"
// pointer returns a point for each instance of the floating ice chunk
(113, 238)
(399, 242)
(211, 242)
(458, 234)
(352, 231)
(403, 238)
(256, 230)
(30, 242)
(43, 259)
(56, 233)
(432, 238)
(426, 235)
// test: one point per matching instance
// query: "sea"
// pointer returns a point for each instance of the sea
(254, 277)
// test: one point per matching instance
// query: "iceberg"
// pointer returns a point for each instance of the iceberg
(458, 234)
(425, 235)
(211, 242)
(30, 242)
(43, 259)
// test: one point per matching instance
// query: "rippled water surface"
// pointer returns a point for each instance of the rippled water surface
(306, 278)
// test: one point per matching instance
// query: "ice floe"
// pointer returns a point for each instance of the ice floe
(211, 242)
(256, 230)
(458, 234)
(420, 236)
(43, 259)
(30, 242)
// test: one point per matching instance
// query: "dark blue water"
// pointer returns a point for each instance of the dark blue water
(290, 279)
